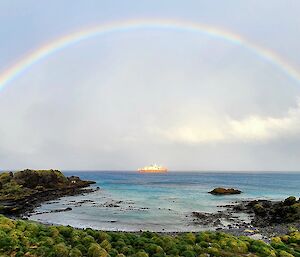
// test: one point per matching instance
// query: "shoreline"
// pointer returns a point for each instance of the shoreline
(242, 229)
(232, 213)
(256, 233)
(227, 220)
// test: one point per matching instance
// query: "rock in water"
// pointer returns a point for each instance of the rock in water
(225, 191)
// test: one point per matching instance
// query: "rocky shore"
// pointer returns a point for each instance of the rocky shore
(268, 213)
(263, 219)
(22, 191)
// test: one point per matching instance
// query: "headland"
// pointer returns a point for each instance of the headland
(22, 191)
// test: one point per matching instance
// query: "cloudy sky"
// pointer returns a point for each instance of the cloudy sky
(126, 99)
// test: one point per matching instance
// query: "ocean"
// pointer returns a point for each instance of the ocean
(130, 201)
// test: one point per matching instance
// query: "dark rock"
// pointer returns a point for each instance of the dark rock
(225, 191)
(259, 209)
(62, 210)
(290, 201)
(52, 211)
(206, 219)
(239, 208)
(266, 213)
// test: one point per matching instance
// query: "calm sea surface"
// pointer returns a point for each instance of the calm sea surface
(160, 202)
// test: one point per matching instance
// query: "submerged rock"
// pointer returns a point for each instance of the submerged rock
(210, 219)
(52, 211)
(225, 191)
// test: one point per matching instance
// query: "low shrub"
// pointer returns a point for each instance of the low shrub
(25, 238)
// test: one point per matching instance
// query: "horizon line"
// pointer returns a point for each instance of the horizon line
(200, 171)
(169, 171)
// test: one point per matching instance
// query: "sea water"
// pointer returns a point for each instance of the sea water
(131, 201)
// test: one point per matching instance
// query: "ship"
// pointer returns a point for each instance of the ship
(153, 169)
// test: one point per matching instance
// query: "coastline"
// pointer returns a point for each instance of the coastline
(109, 210)
(237, 228)
(258, 233)
(240, 238)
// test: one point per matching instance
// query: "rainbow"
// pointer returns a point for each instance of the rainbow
(42, 52)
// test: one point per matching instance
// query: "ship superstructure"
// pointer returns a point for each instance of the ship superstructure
(153, 168)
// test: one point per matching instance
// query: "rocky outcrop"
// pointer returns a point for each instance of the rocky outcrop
(22, 191)
(267, 213)
(225, 191)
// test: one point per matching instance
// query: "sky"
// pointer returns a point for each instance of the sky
(126, 99)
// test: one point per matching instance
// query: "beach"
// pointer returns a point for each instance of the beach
(129, 201)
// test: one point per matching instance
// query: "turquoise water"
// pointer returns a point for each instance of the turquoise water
(161, 202)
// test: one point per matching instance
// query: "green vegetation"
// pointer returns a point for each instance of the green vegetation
(27, 182)
(22, 189)
(24, 238)
(10, 188)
